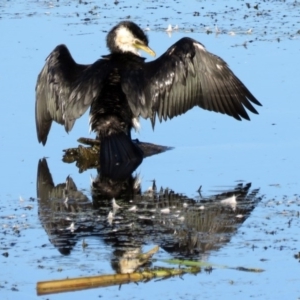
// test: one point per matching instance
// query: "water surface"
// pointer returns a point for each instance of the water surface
(211, 150)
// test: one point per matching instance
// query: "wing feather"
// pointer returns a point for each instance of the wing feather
(87, 88)
(65, 90)
(53, 88)
(187, 75)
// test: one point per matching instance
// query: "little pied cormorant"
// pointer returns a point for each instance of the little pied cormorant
(121, 86)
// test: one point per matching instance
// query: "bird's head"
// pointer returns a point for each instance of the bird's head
(128, 37)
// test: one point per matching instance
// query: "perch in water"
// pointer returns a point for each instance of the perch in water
(121, 86)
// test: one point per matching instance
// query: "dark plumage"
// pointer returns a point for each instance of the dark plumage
(121, 86)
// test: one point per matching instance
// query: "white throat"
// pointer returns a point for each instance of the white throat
(124, 40)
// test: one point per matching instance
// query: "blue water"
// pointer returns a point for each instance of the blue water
(211, 150)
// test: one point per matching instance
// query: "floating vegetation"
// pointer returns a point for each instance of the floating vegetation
(210, 266)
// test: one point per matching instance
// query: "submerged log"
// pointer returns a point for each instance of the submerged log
(75, 284)
(88, 157)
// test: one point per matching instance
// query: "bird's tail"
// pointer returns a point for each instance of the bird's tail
(119, 156)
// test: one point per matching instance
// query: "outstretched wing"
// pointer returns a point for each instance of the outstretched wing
(187, 75)
(54, 86)
(87, 88)
(65, 90)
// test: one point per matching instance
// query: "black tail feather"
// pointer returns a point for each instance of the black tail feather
(119, 156)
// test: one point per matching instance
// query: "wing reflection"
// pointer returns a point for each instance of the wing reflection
(182, 226)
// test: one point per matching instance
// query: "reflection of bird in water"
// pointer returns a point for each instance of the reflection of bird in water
(60, 207)
(121, 86)
(180, 225)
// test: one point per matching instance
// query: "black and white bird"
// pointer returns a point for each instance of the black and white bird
(120, 87)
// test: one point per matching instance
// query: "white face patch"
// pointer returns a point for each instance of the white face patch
(124, 40)
(200, 46)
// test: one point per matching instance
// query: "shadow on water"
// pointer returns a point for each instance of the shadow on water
(184, 227)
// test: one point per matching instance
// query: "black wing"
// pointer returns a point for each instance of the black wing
(65, 90)
(187, 75)
(53, 89)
